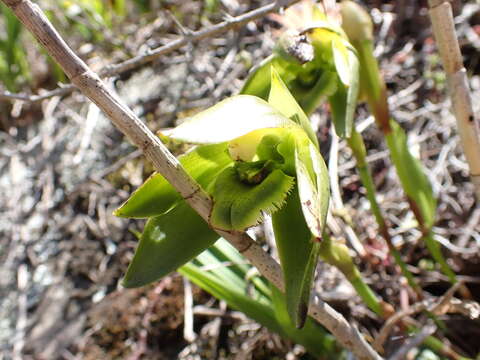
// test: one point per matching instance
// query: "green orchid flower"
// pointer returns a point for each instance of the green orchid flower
(253, 158)
(316, 61)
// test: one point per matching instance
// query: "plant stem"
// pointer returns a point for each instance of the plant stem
(337, 255)
(436, 252)
(357, 145)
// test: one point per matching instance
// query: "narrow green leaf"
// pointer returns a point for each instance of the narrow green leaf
(168, 241)
(413, 179)
(156, 195)
(229, 119)
(298, 256)
(282, 100)
(238, 205)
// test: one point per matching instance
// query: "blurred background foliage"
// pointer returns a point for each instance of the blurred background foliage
(23, 63)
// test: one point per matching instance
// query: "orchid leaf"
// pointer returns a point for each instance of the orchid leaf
(167, 243)
(229, 119)
(238, 205)
(157, 196)
(282, 100)
(298, 256)
(411, 175)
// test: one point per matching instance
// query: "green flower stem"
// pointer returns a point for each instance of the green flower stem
(370, 79)
(337, 255)
(439, 346)
(356, 143)
(377, 101)
(436, 252)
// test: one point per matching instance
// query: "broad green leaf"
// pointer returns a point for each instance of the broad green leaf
(238, 205)
(413, 179)
(168, 241)
(313, 187)
(298, 256)
(156, 195)
(282, 100)
(229, 119)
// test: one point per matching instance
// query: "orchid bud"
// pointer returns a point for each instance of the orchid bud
(356, 22)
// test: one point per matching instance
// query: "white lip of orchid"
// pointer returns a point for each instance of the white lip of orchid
(243, 113)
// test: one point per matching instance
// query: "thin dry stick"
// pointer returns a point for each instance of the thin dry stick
(426, 331)
(444, 30)
(166, 164)
(154, 54)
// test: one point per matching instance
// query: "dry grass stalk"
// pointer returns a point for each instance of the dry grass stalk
(457, 81)
(154, 54)
(166, 164)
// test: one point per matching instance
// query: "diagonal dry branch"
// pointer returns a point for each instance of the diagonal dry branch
(165, 163)
(154, 54)
(444, 30)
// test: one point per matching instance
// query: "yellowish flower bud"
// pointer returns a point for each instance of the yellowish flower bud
(356, 22)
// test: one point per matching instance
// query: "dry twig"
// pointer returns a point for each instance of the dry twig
(152, 55)
(445, 35)
(165, 163)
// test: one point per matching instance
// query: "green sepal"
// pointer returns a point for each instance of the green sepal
(282, 100)
(413, 179)
(168, 241)
(341, 60)
(156, 195)
(325, 86)
(298, 256)
(238, 205)
(313, 187)
(344, 101)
